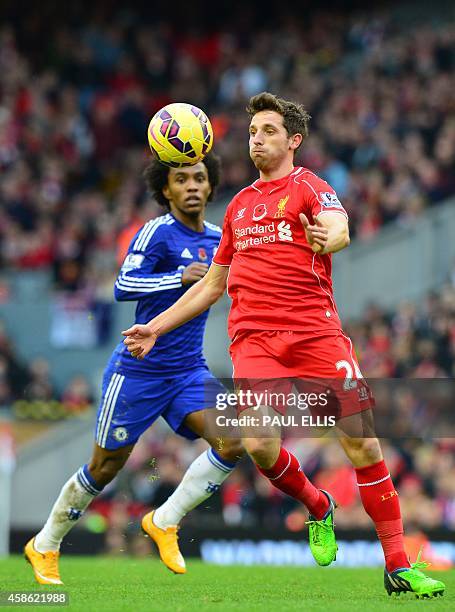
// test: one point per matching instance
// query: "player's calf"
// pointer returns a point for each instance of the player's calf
(286, 474)
(78, 492)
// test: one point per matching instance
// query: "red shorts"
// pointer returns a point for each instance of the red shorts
(283, 360)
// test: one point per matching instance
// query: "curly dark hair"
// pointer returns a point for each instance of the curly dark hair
(156, 177)
(295, 117)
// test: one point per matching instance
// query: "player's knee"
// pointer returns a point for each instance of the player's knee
(231, 450)
(263, 451)
(371, 450)
(363, 451)
(104, 470)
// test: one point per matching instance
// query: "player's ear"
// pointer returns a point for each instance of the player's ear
(295, 141)
(166, 192)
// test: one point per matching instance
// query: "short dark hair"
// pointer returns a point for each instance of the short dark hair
(295, 117)
(156, 177)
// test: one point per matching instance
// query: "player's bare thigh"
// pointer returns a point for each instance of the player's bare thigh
(105, 464)
(227, 448)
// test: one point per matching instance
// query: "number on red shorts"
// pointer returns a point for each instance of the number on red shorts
(352, 371)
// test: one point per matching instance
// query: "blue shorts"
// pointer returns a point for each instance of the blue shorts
(129, 405)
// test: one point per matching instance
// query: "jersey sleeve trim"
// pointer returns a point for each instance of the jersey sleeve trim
(333, 210)
(159, 282)
(221, 264)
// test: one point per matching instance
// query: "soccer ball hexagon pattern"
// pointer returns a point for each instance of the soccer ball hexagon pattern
(180, 135)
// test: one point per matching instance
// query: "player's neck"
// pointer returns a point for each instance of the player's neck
(276, 173)
(195, 223)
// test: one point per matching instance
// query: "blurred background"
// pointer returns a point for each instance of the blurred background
(78, 84)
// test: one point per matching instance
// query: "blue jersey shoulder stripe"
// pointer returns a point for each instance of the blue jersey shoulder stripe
(148, 230)
(213, 227)
(143, 243)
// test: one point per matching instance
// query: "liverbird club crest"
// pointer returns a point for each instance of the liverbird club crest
(281, 207)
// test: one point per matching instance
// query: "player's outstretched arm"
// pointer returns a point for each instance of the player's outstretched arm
(329, 234)
(140, 339)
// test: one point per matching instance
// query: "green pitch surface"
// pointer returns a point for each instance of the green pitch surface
(113, 584)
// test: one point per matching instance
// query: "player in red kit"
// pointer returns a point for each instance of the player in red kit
(275, 261)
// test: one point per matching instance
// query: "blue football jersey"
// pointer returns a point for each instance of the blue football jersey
(152, 275)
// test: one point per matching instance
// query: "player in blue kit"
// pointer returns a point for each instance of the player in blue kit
(167, 255)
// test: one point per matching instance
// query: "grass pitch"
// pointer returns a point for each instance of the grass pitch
(134, 585)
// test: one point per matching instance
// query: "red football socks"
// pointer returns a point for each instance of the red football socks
(381, 503)
(287, 476)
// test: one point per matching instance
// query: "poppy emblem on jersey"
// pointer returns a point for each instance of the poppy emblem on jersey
(281, 207)
(259, 212)
(120, 434)
(202, 253)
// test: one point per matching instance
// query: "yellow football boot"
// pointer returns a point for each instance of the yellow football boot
(45, 565)
(167, 543)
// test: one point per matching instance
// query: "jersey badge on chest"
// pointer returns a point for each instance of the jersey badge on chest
(281, 209)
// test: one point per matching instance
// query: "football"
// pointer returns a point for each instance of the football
(180, 135)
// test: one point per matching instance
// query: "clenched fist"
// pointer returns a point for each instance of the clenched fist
(194, 272)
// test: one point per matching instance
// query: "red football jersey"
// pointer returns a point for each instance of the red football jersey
(276, 281)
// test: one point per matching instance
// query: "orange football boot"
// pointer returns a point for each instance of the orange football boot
(167, 543)
(44, 565)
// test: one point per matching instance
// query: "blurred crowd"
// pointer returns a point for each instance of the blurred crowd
(78, 88)
(31, 383)
(413, 341)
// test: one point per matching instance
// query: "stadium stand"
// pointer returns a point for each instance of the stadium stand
(73, 112)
